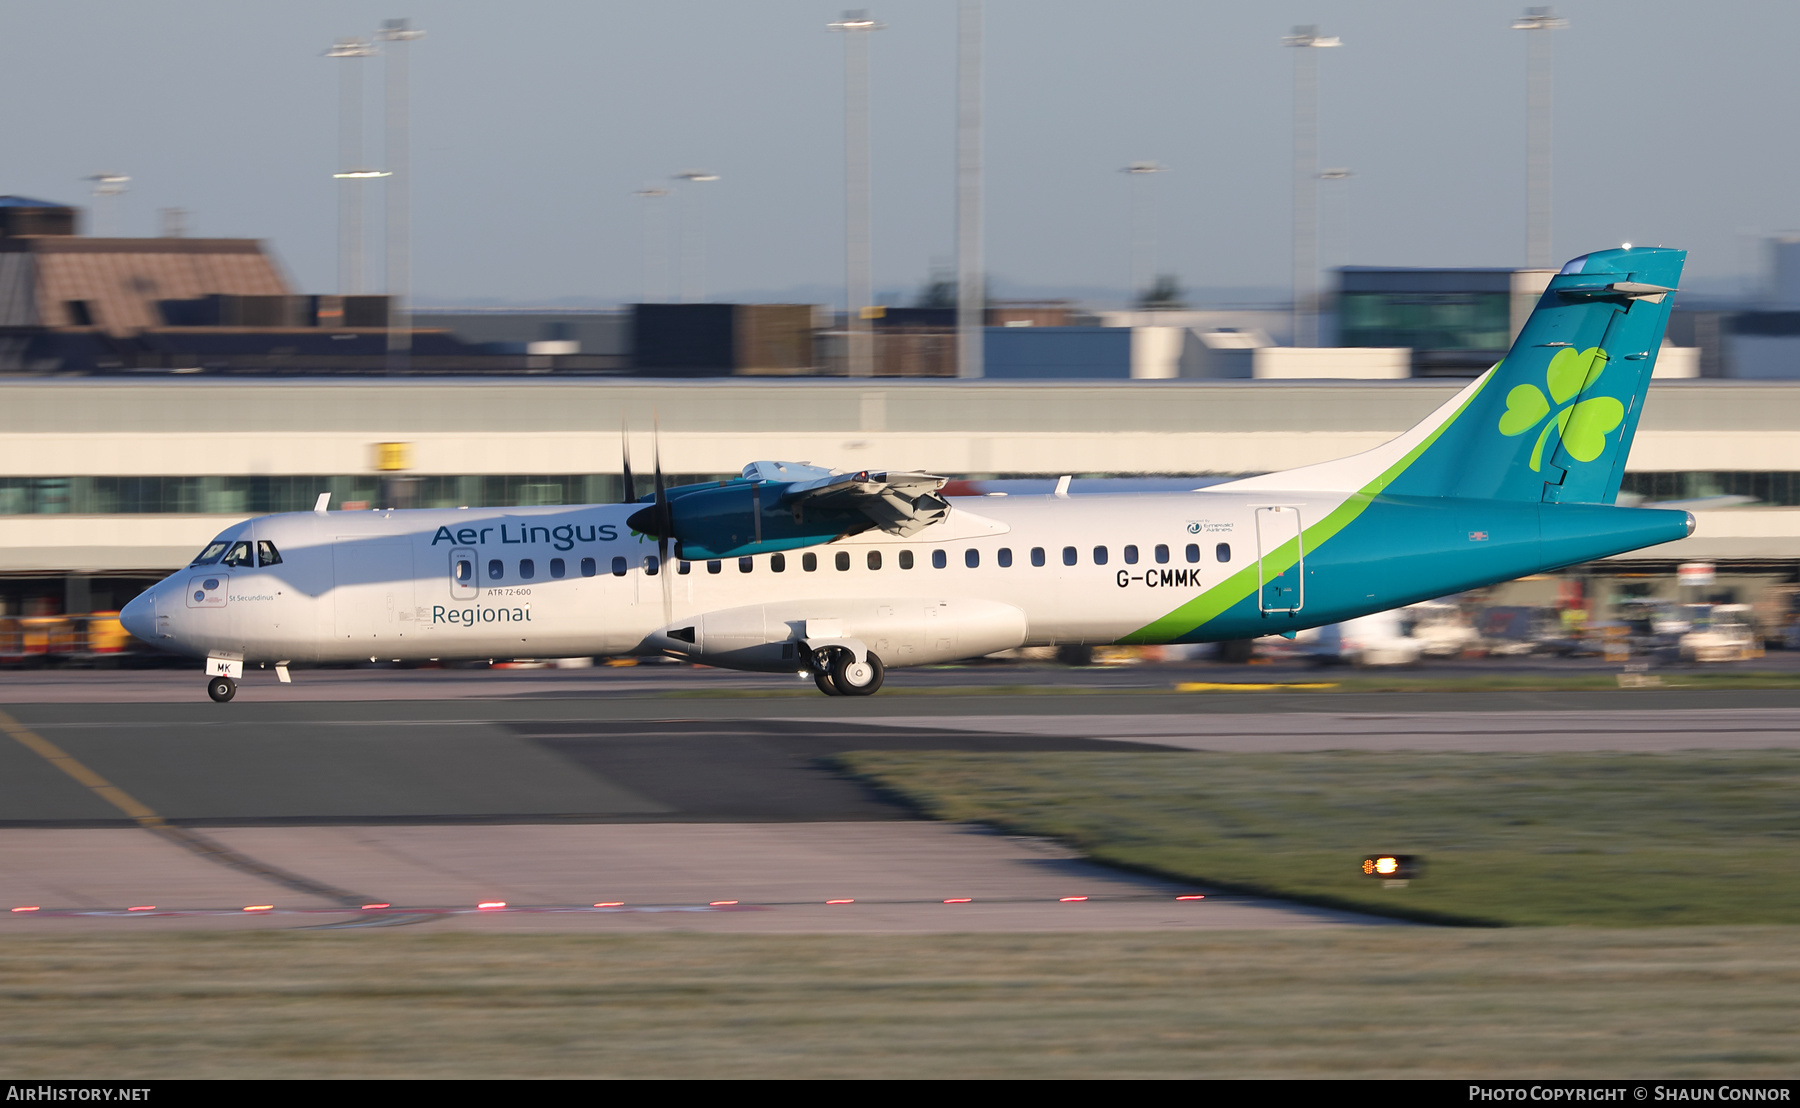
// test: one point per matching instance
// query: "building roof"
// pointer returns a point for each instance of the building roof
(121, 280)
(28, 202)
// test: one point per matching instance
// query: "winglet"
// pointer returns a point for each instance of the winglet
(319, 505)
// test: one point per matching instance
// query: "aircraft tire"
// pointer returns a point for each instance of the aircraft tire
(822, 678)
(854, 678)
(221, 689)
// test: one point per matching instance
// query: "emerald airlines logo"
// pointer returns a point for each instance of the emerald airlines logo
(1582, 427)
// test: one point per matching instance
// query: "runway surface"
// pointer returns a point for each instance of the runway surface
(642, 808)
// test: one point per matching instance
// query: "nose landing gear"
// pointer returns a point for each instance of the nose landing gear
(221, 689)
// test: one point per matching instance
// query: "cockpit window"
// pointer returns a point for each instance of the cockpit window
(212, 553)
(266, 554)
(239, 556)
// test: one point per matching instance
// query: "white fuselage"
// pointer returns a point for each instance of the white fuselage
(567, 581)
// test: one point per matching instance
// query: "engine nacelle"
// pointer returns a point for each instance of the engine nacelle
(904, 631)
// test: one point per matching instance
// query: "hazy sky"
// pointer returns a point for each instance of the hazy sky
(534, 122)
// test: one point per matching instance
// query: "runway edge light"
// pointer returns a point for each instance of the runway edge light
(1392, 867)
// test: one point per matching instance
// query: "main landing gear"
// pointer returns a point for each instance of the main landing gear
(221, 689)
(837, 672)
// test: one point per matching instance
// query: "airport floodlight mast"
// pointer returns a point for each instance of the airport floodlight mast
(655, 274)
(352, 169)
(693, 236)
(1334, 218)
(971, 283)
(1143, 228)
(858, 280)
(1306, 180)
(108, 187)
(398, 34)
(1539, 22)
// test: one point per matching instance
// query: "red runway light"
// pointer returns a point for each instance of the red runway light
(259, 908)
(27, 908)
(142, 908)
(611, 904)
(1071, 899)
(1194, 897)
(960, 900)
(490, 904)
(372, 907)
(720, 903)
(840, 902)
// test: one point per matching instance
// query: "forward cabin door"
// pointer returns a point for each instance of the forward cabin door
(373, 598)
(1280, 560)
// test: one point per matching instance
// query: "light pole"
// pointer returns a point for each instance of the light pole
(1334, 234)
(1539, 22)
(352, 170)
(108, 187)
(1143, 228)
(856, 26)
(398, 33)
(693, 233)
(655, 275)
(971, 283)
(1306, 180)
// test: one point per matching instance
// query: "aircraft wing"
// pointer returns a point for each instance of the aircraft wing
(900, 503)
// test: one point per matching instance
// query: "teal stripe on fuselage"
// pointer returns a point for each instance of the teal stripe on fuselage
(1401, 550)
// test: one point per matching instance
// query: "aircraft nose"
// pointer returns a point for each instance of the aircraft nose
(139, 616)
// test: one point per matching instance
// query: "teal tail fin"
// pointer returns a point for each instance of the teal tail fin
(1554, 421)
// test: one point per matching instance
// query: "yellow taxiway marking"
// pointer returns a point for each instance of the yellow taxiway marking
(68, 763)
(1246, 686)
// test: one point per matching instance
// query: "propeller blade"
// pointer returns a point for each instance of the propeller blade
(664, 524)
(625, 451)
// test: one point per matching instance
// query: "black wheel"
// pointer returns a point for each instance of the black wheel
(854, 678)
(221, 689)
(1236, 651)
(822, 678)
(1075, 654)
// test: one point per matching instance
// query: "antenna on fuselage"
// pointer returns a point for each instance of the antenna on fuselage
(320, 504)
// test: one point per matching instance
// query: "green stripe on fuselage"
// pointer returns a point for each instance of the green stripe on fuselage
(1212, 603)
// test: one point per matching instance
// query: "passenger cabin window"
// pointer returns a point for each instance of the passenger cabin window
(1162, 554)
(939, 559)
(495, 569)
(557, 568)
(1004, 556)
(843, 559)
(1193, 553)
(618, 566)
(240, 556)
(682, 569)
(527, 569)
(1037, 555)
(714, 566)
(746, 564)
(1099, 555)
(1223, 553)
(809, 562)
(652, 565)
(874, 559)
(971, 557)
(589, 567)
(906, 559)
(778, 563)
(1131, 555)
(1068, 555)
(266, 554)
(465, 571)
(212, 553)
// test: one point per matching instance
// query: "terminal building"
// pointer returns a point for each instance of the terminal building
(110, 483)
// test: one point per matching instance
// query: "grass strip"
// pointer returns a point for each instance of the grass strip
(1595, 839)
(1338, 1002)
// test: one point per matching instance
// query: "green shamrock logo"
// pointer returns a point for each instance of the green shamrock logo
(1582, 427)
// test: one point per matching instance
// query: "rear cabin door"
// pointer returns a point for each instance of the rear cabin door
(1280, 560)
(373, 597)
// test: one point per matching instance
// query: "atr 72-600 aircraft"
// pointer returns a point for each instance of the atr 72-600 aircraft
(794, 568)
